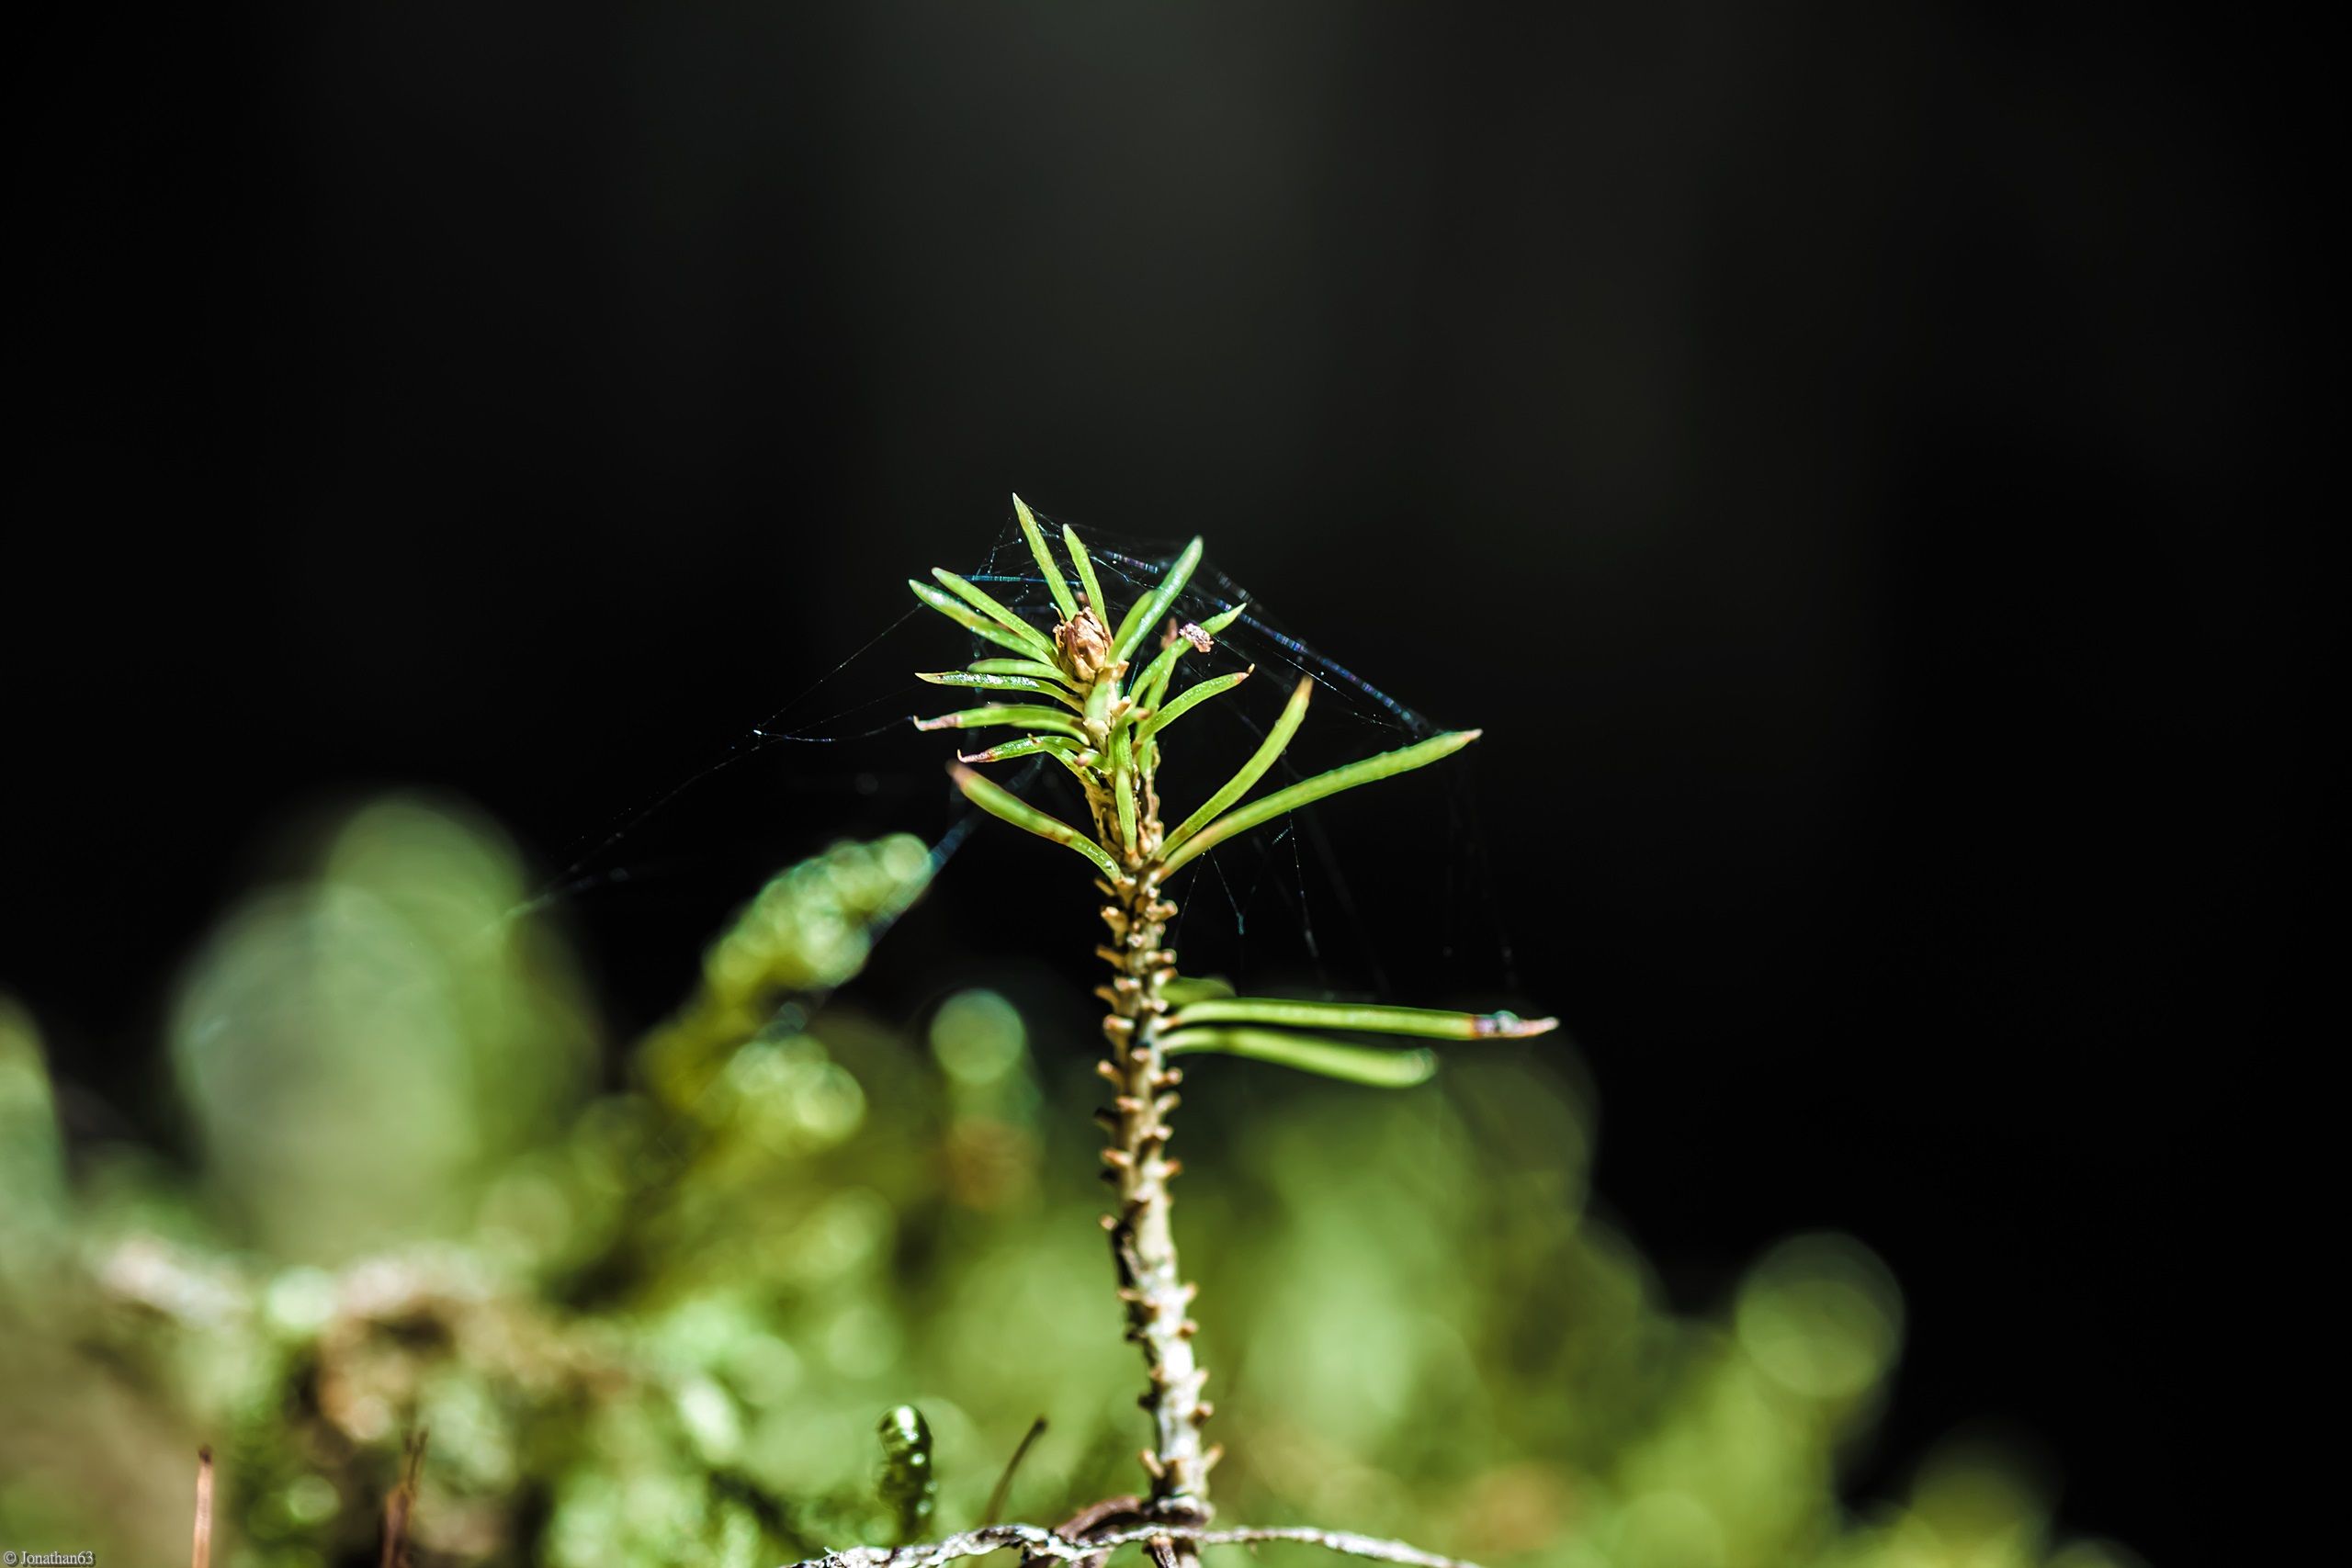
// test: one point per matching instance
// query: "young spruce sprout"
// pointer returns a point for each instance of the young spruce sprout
(1098, 694)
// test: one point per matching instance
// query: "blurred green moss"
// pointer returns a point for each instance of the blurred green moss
(659, 1325)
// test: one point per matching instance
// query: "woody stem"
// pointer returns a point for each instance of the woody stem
(1143, 1245)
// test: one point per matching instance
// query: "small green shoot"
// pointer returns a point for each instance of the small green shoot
(1111, 746)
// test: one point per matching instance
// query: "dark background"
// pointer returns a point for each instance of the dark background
(1833, 449)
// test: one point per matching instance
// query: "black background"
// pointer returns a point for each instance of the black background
(1833, 449)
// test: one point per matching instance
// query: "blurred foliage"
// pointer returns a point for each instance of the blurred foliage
(657, 1323)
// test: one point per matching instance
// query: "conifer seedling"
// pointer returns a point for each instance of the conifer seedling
(1098, 694)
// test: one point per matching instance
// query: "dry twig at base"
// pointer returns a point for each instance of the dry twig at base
(399, 1505)
(1036, 1541)
(200, 1555)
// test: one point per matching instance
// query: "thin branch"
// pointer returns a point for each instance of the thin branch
(200, 1555)
(399, 1505)
(1039, 1543)
(1098, 1518)
(1346, 1542)
(1004, 1482)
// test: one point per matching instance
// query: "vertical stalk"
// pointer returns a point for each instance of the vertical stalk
(1143, 1245)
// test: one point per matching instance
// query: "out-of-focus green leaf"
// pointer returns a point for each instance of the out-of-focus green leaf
(355, 1045)
(32, 1162)
(661, 1329)
(908, 1485)
(809, 929)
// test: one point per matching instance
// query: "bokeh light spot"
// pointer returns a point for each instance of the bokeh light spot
(1821, 1316)
(978, 1037)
